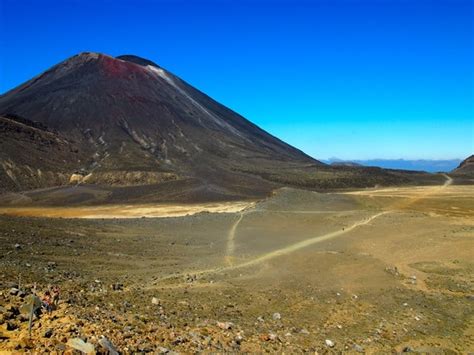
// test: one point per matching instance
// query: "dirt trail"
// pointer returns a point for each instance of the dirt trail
(414, 192)
(305, 243)
(279, 252)
(423, 194)
(230, 239)
(232, 231)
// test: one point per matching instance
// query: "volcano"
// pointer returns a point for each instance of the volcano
(126, 122)
(140, 124)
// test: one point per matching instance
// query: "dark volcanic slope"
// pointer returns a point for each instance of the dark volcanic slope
(32, 156)
(135, 124)
(466, 167)
(130, 115)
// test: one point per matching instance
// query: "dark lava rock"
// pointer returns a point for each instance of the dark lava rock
(11, 326)
(48, 333)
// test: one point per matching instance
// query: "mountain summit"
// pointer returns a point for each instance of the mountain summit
(117, 105)
(126, 121)
(138, 123)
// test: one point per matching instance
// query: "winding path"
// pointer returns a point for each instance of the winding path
(233, 229)
(305, 243)
(230, 239)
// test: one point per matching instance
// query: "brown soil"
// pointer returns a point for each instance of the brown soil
(379, 270)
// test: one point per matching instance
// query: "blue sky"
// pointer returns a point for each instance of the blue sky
(354, 79)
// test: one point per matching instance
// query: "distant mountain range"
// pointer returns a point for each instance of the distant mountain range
(431, 166)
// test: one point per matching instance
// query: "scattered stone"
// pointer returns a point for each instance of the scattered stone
(417, 318)
(117, 287)
(339, 326)
(260, 319)
(272, 337)
(17, 246)
(14, 311)
(190, 278)
(225, 325)
(392, 270)
(81, 345)
(107, 345)
(14, 291)
(25, 342)
(405, 304)
(358, 348)
(276, 316)
(267, 337)
(238, 339)
(304, 331)
(155, 301)
(11, 326)
(329, 343)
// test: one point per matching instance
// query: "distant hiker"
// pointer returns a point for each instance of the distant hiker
(47, 301)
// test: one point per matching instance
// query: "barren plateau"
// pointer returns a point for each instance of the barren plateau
(372, 270)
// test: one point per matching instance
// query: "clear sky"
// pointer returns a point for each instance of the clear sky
(353, 79)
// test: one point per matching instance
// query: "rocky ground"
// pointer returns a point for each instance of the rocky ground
(250, 283)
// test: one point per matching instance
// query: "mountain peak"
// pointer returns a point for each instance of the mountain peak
(86, 54)
(133, 123)
(119, 61)
(137, 60)
(83, 57)
(121, 67)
